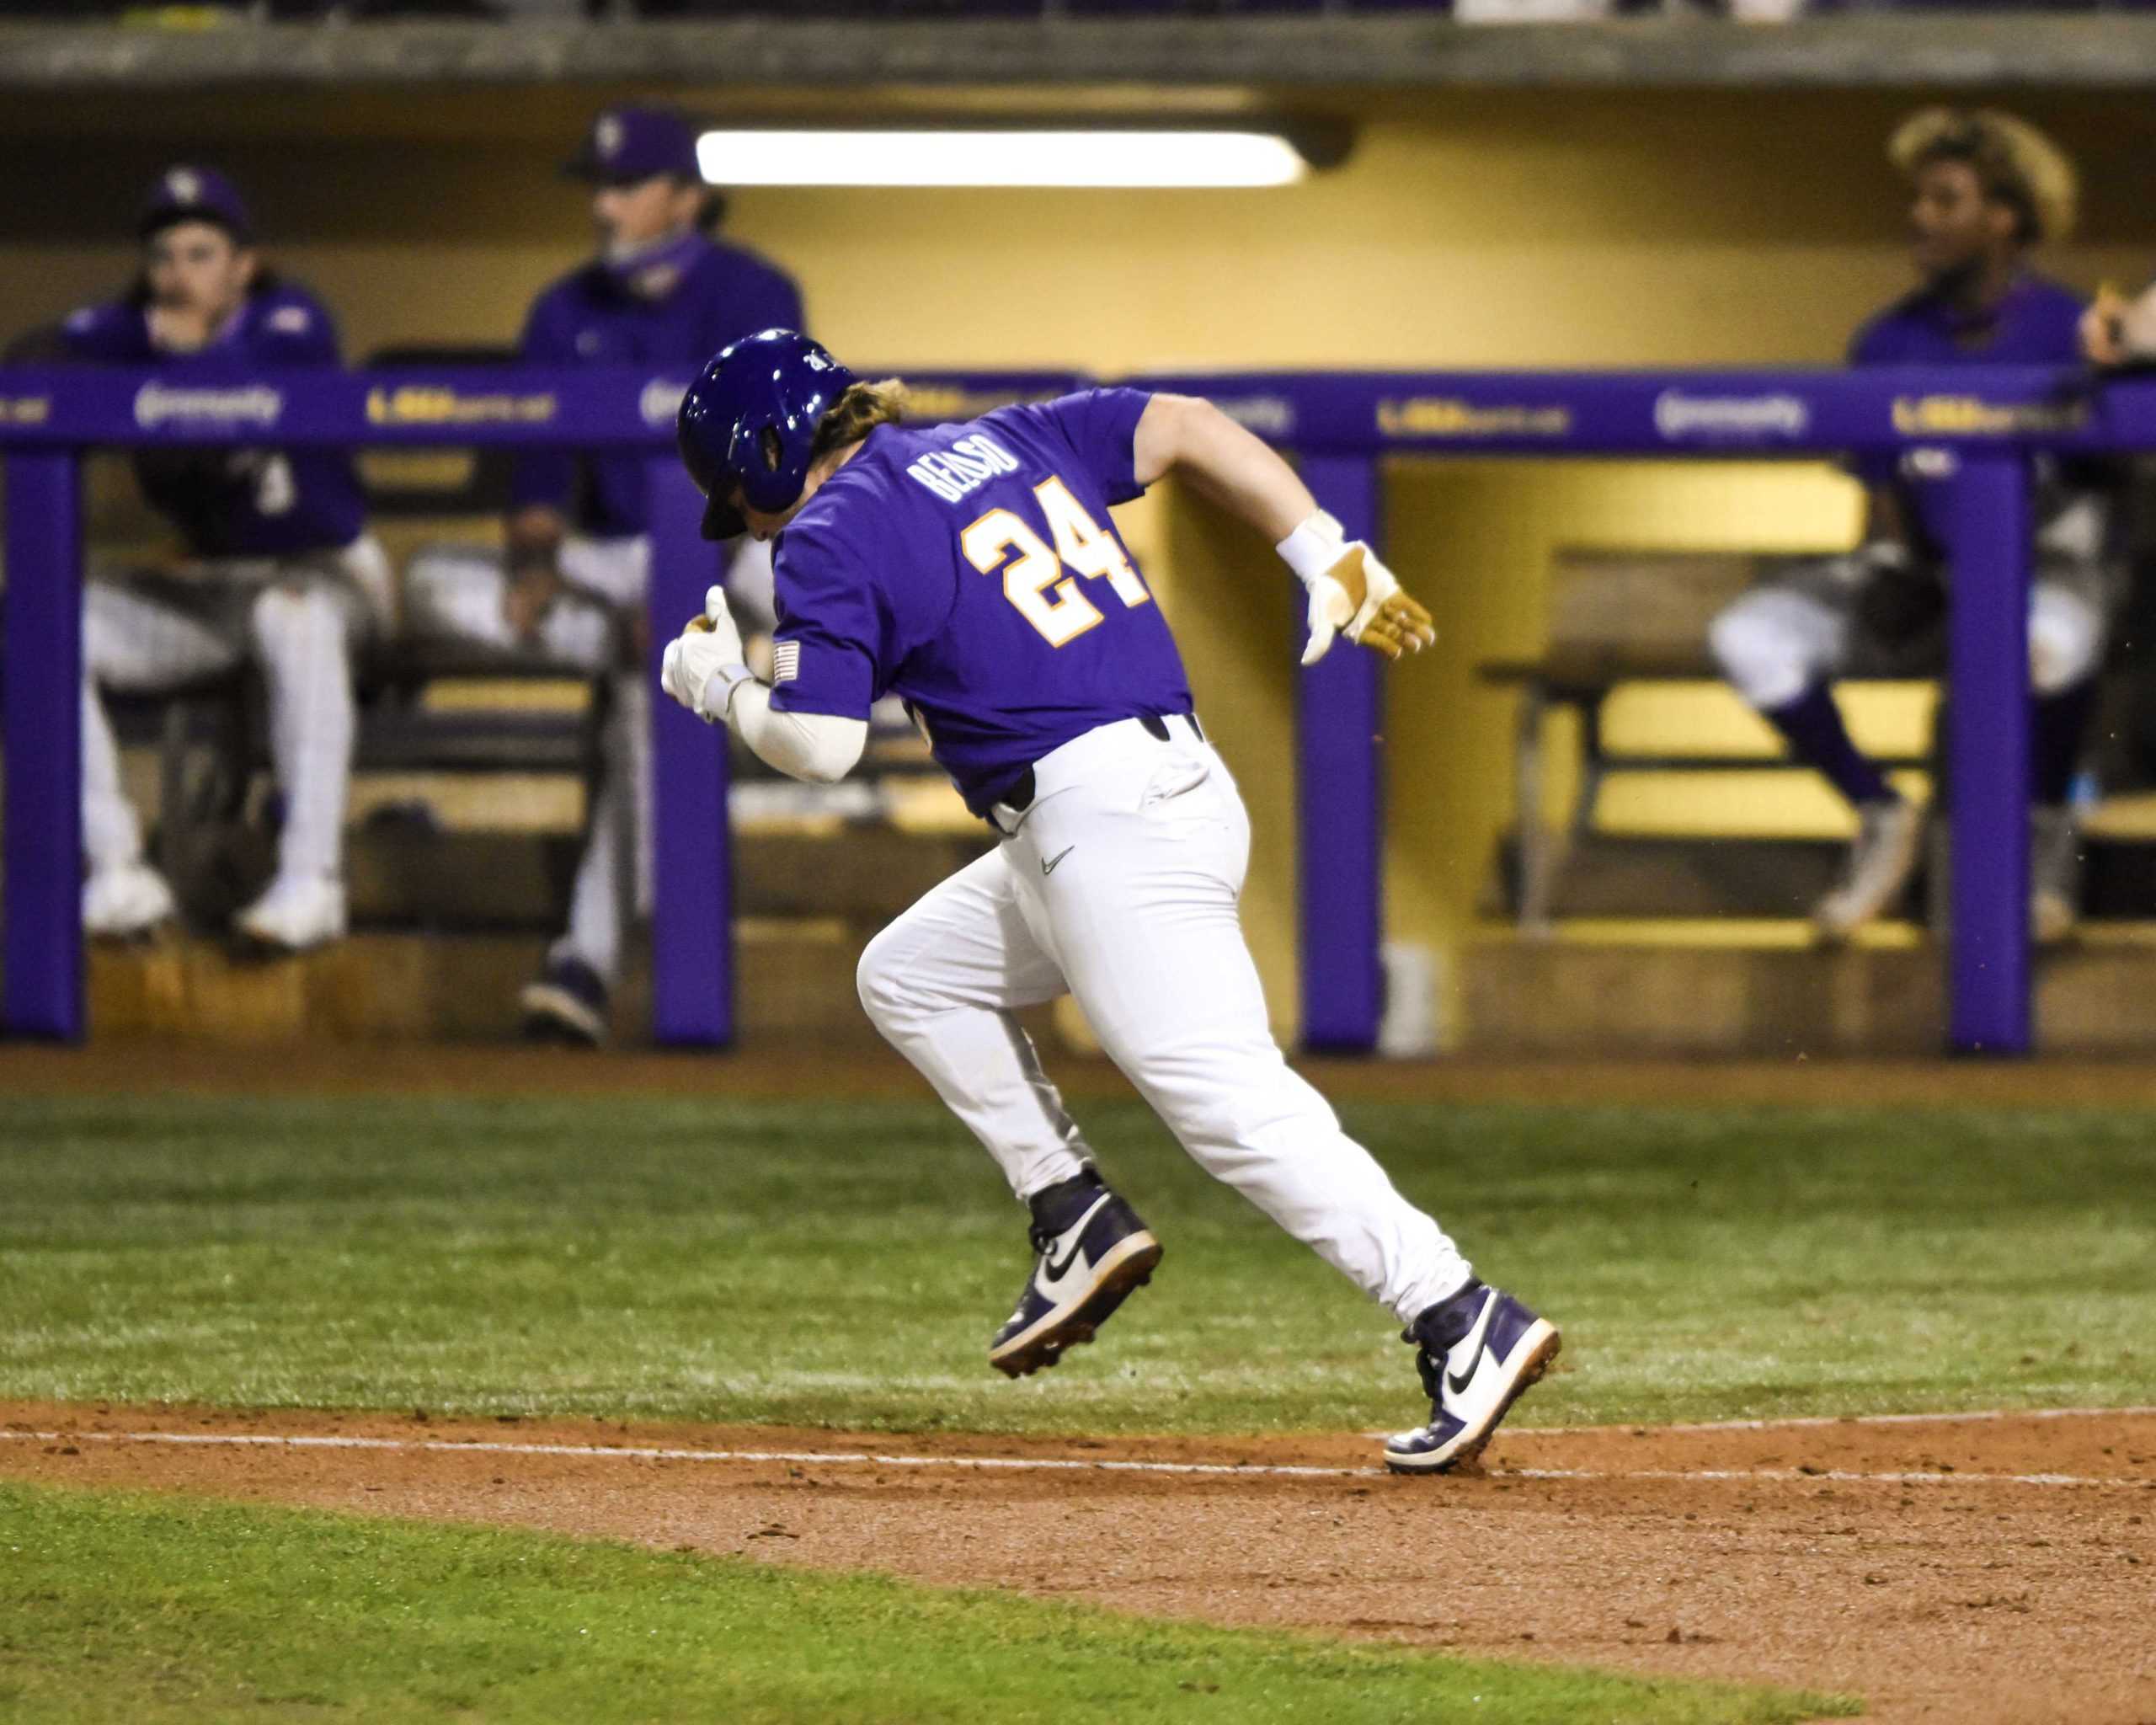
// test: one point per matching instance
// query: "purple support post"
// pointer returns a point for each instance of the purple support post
(1988, 766)
(41, 721)
(693, 910)
(1339, 800)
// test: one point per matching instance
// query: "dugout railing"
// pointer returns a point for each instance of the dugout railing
(1341, 427)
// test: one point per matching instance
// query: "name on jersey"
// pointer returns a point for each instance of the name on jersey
(966, 466)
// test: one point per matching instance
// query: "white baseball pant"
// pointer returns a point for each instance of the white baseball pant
(301, 620)
(1120, 884)
(455, 593)
(1787, 635)
(1776, 642)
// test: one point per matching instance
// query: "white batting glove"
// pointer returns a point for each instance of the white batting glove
(1352, 593)
(703, 666)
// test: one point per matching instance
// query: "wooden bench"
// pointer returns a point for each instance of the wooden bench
(1615, 617)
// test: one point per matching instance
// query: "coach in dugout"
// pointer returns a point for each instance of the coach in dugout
(570, 587)
(1986, 189)
(279, 569)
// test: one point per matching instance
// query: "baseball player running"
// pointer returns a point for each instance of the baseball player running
(1985, 189)
(279, 569)
(570, 590)
(974, 570)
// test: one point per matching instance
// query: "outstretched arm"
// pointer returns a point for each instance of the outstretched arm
(1352, 593)
(1188, 436)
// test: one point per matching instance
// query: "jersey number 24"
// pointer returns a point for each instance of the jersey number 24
(1043, 583)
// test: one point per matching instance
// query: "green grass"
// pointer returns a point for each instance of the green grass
(844, 1264)
(115, 1607)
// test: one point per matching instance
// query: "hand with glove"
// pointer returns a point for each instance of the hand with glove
(1352, 593)
(2116, 331)
(704, 665)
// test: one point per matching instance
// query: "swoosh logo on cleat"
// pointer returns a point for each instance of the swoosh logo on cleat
(1458, 1381)
(1048, 864)
(1052, 1273)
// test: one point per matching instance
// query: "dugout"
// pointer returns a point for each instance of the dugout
(1517, 226)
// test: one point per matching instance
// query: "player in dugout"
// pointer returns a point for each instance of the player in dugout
(1986, 189)
(278, 568)
(570, 586)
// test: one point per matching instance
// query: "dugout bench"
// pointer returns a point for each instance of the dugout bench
(1616, 617)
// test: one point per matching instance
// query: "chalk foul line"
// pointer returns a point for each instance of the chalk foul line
(1045, 1464)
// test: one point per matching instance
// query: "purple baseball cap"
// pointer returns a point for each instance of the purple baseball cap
(629, 144)
(184, 193)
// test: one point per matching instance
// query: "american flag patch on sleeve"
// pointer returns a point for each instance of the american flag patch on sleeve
(786, 661)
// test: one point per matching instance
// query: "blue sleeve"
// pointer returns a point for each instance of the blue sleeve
(97, 333)
(2066, 332)
(748, 297)
(776, 302)
(1100, 424)
(298, 330)
(828, 652)
(542, 478)
(1872, 343)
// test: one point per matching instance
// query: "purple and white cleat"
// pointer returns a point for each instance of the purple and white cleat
(1090, 1252)
(1478, 1352)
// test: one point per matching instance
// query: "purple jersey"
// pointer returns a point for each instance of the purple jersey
(974, 570)
(2037, 323)
(237, 502)
(590, 317)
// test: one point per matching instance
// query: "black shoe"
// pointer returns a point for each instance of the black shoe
(1091, 1250)
(567, 1004)
(1479, 1352)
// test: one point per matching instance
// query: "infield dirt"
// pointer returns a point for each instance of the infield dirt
(1970, 1570)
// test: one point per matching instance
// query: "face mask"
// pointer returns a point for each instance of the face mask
(653, 270)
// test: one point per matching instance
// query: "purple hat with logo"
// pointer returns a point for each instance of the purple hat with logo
(628, 145)
(184, 193)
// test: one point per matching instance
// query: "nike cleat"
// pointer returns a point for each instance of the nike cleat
(1082, 1272)
(1479, 1352)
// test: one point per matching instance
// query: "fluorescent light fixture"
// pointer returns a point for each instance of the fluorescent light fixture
(1000, 159)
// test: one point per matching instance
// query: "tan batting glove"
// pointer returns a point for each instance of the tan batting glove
(704, 665)
(1352, 593)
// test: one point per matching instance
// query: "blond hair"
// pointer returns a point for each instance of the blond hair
(859, 411)
(2015, 163)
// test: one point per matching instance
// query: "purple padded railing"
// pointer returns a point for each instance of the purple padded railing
(1341, 425)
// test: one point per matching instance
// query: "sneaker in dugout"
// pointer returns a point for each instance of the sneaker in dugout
(2056, 850)
(297, 912)
(1882, 859)
(125, 901)
(1090, 1252)
(566, 1004)
(2054, 874)
(1478, 1351)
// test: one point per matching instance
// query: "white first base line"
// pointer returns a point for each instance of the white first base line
(1799, 1422)
(624, 1452)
